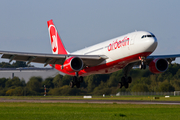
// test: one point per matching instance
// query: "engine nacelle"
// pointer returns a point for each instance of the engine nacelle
(158, 65)
(73, 64)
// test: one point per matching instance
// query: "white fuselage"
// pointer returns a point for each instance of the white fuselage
(123, 46)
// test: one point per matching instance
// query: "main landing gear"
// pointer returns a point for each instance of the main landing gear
(126, 80)
(76, 81)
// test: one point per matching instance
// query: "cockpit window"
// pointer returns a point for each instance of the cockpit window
(144, 36)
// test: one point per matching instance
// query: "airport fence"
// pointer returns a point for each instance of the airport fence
(148, 93)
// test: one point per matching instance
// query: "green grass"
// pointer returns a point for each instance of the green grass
(75, 111)
(145, 98)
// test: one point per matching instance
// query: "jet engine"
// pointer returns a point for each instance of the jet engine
(73, 64)
(158, 65)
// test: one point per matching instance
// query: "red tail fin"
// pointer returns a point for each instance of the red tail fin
(56, 43)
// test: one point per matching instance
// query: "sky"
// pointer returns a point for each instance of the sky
(80, 23)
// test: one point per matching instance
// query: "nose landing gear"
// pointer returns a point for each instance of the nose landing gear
(143, 60)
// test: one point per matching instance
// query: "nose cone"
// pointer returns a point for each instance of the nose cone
(151, 44)
(145, 42)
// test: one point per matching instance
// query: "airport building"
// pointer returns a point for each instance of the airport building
(27, 72)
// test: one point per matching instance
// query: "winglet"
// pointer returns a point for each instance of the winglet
(56, 43)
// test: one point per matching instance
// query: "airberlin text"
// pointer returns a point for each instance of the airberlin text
(118, 44)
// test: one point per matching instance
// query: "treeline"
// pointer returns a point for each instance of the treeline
(14, 64)
(143, 81)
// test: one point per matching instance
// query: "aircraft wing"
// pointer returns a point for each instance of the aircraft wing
(169, 58)
(89, 60)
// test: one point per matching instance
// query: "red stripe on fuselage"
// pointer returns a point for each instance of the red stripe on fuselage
(107, 67)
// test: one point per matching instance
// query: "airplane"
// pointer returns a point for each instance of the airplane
(123, 52)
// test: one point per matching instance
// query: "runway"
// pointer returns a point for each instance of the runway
(94, 101)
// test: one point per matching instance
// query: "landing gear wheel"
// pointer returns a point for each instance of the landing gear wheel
(129, 79)
(143, 65)
(78, 84)
(120, 85)
(81, 79)
(126, 85)
(71, 84)
(123, 80)
(75, 79)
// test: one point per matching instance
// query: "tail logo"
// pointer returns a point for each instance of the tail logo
(53, 34)
(54, 44)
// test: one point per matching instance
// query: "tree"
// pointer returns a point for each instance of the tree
(102, 89)
(5, 65)
(177, 75)
(34, 85)
(154, 83)
(94, 80)
(55, 91)
(3, 82)
(66, 90)
(113, 81)
(10, 92)
(14, 82)
(3, 91)
(176, 84)
(173, 68)
(66, 79)
(18, 91)
(165, 87)
(19, 64)
(23, 82)
(48, 82)
(14, 65)
(57, 81)
(139, 88)
(143, 80)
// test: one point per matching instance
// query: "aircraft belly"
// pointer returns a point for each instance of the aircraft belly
(112, 66)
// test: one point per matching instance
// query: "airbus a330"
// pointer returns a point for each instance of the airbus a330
(124, 52)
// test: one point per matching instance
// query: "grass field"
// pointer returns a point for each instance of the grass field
(75, 111)
(64, 111)
(88, 111)
(144, 98)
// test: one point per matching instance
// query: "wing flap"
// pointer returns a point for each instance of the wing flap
(89, 60)
(33, 57)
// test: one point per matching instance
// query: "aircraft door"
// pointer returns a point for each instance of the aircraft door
(132, 39)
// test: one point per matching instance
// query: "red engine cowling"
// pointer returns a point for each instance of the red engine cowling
(158, 65)
(73, 64)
